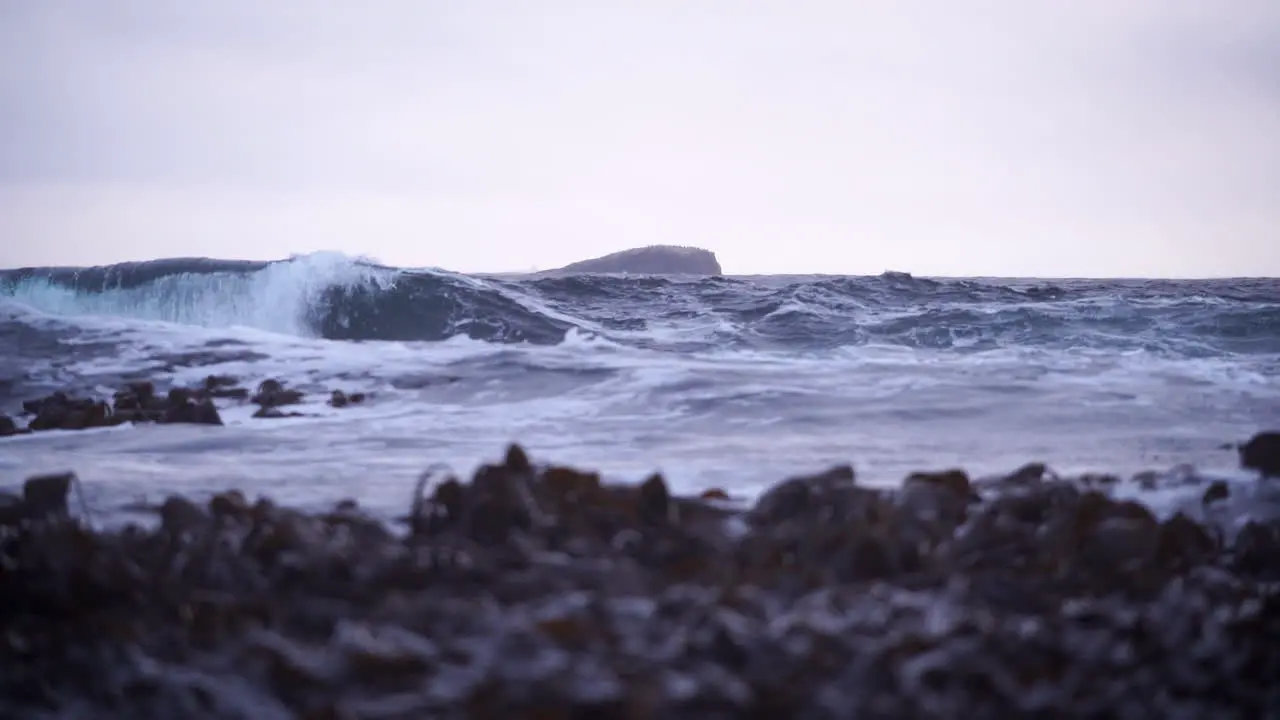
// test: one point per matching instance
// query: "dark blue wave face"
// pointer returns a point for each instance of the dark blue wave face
(1196, 318)
(360, 301)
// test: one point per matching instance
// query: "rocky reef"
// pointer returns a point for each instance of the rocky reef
(651, 260)
(140, 402)
(540, 591)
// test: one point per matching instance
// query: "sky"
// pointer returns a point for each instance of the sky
(1095, 138)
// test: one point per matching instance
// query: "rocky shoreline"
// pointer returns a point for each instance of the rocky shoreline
(140, 402)
(541, 591)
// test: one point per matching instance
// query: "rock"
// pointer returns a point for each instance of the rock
(955, 482)
(179, 397)
(7, 426)
(1262, 453)
(1184, 542)
(533, 589)
(230, 505)
(1217, 490)
(517, 461)
(1029, 474)
(45, 496)
(33, 407)
(715, 494)
(182, 410)
(1257, 550)
(939, 497)
(136, 402)
(59, 411)
(272, 393)
(339, 399)
(801, 495)
(140, 398)
(220, 382)
(12, 510)
(179, 516)
(651, 260)
(655, 501)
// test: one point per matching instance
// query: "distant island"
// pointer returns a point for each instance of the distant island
(651, 260)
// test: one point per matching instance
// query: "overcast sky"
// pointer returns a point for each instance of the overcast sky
(956, 137)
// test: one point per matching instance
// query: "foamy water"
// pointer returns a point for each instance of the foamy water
(727, 383)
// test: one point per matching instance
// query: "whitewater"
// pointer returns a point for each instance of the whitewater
(729, 382)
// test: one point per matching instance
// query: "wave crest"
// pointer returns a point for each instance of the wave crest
(325, 295)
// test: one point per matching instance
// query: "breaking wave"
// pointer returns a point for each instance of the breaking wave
(321, 295)
(336, 297)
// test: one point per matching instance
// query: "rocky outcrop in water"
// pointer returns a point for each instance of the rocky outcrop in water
(136, 402)
(140, 402)
(543, 589)
(1262, 453)
(651, 260)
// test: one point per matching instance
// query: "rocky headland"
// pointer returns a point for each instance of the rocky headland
(537, 590)
(651, 260)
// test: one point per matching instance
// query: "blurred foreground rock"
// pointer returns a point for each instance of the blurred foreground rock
(541, 591)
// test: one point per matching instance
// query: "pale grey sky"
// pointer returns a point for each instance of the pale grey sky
(1030, 137)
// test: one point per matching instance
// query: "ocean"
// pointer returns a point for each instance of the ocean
(728, 382)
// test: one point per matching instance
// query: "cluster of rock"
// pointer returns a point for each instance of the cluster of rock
(541, 590)
(139, 402)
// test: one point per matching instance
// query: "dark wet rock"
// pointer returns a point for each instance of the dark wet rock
(802, 495)
(1029, 474)
(44, 498)
(540, 590)
(1262, 453)
(33, 407)
(1257, 550)
(138, 397)
(654, 502)
(1217, 491)
(339, 399)
(229, 505)
(60, 411)
(222, 387)
(46, 495)
(953, 482)
(12, 510)
(219, 382)
(179, 515)
(136, 402)
(272, 394)
(7, 426)
(517, 461)
(184, 410)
